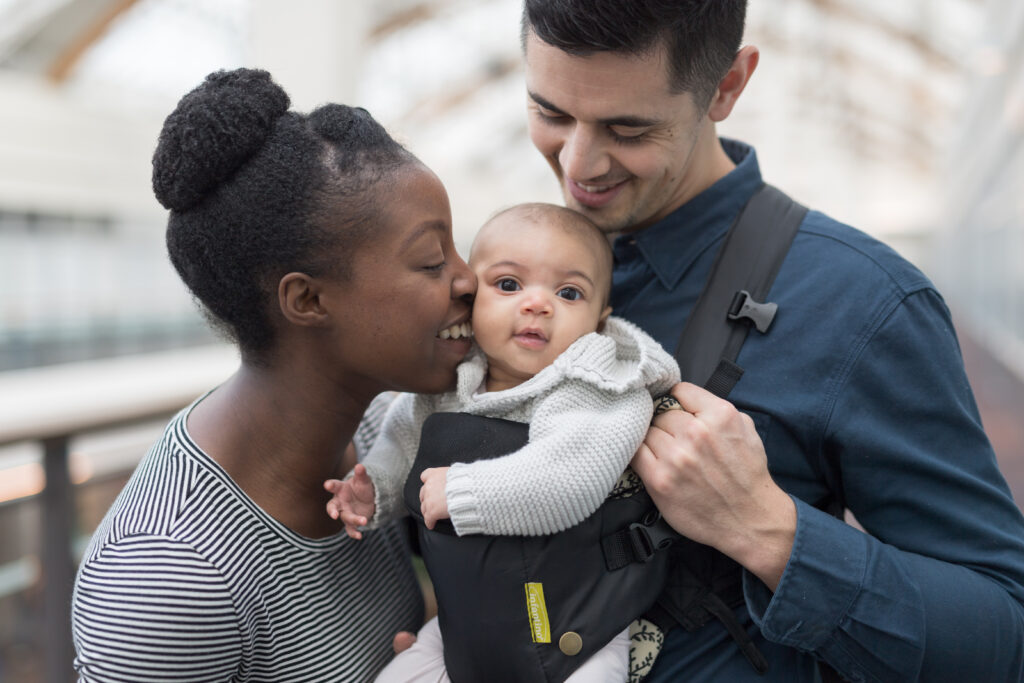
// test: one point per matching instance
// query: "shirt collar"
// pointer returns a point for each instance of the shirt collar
(672, 244)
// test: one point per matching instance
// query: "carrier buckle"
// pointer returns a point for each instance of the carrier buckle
(649, 535)
(638, 542)
(744, 306)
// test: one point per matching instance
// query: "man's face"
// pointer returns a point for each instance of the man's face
(620, 142)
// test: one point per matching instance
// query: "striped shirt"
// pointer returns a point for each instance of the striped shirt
(186, 579)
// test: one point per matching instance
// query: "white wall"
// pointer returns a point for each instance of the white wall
(62, 153)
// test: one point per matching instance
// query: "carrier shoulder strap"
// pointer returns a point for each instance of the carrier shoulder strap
(732, 300)
(730, 303)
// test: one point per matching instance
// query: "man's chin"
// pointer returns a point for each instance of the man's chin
(607, 219)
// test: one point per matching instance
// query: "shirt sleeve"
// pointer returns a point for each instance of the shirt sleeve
(151, 609)
(390, 458)
(581, 440)
(935, 589)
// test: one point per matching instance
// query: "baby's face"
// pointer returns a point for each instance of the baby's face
(540, 289)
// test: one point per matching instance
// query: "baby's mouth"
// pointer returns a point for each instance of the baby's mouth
(532, 334)
(457, 331)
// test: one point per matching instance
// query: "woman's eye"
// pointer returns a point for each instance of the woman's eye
(508, 285)
(570, 293)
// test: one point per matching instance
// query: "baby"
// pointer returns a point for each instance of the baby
(548, 354)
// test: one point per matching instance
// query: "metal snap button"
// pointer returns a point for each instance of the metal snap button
(570, 643)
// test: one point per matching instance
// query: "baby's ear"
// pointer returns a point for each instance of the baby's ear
(604, 317)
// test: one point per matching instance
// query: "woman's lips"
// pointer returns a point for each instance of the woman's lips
(457, 338)
(456, 331)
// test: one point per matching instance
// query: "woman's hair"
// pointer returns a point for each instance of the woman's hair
(256, 191)
(702, 37)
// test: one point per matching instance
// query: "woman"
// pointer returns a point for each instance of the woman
(324, 250)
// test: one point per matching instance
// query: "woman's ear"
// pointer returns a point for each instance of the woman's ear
(298, 296)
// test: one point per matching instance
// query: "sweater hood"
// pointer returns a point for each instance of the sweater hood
(619, 358)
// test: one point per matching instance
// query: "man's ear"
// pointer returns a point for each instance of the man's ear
(298, 296)
(732, 85)
(604, 317)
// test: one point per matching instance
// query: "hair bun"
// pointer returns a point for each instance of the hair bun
(213, 131)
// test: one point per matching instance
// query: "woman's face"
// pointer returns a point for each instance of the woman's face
(401, 313)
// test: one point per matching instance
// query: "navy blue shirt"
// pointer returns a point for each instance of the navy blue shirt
(858, 387)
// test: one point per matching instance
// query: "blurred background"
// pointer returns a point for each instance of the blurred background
(904, 119)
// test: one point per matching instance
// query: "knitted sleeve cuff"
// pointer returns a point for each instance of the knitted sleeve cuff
(463, 507)
(386, 497)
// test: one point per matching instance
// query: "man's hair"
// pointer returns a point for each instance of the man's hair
(702, 37)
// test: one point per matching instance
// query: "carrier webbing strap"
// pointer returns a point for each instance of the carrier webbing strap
(730, 303)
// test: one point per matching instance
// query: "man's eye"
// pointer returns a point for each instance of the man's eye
(570, 293)
(436, 267)
(626, 138)
(550, 116)
(508, 285)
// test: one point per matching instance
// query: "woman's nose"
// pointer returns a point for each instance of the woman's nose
(463, 280)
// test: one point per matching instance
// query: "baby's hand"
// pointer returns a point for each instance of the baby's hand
(433, 503)
(352, 500)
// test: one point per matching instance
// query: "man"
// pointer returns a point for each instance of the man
(857, 394)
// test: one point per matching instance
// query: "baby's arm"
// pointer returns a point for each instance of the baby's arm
(581, 440)
(378, 481)
(352, 500)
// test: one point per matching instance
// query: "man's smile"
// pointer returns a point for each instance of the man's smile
(594, 195)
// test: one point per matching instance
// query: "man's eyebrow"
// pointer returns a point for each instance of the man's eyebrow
(624, 121)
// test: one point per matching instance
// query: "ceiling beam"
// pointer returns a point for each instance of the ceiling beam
(64, 62)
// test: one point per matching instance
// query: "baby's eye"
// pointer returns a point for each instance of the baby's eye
(570, 293)
(508, 285)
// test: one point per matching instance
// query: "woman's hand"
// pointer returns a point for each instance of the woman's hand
(352, 501)
(433, 502)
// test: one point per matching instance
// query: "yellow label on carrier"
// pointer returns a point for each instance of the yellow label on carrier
(540, 630)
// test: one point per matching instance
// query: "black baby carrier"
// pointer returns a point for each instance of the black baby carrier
(534, 608)
(525, 608)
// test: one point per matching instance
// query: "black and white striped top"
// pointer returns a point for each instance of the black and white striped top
(186, 579)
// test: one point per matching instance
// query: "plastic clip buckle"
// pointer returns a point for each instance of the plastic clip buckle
(744, 306)
(650, 535)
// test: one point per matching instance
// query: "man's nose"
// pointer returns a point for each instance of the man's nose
(583, 156)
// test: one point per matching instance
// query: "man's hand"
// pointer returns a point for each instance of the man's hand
(352, 500)
(433, 502)
(706, 470)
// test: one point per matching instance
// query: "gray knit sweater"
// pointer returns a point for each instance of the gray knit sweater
(588, 413)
